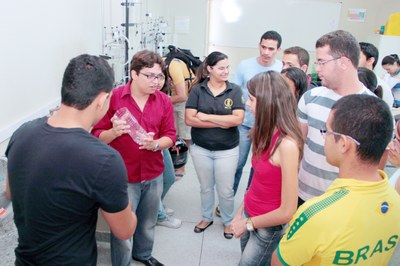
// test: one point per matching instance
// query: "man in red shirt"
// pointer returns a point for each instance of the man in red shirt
(154, 112)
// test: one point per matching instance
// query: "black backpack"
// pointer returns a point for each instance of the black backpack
(192, 62)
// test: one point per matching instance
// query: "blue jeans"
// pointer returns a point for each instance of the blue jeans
(257, 246)
(145, 200)
(244, 148)
(215, 169)
(168, 181)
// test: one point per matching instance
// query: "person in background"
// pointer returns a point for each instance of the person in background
(296, 79)
(269, 46)
(356, 221)
(214, 110)
(60, 180)
(277, 140)
(369, 56)
(180, 77)
(298, 57)
(368, 78)
(394, 155)
(165, 217)
(391, 64)
(337, 57)
(154, 112)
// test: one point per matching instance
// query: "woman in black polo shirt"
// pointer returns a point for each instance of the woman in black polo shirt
(214, 109)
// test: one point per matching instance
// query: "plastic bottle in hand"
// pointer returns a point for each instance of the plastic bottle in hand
(137, 133)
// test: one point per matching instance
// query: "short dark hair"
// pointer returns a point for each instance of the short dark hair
(84, 78)
(367, 119)
(391, 60)
(341, 43)
(145, 58)
(370, 51)
(272, 35)
(302, 54)
(299, 79)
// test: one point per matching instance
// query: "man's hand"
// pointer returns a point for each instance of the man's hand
(119, 127)
(148, 143)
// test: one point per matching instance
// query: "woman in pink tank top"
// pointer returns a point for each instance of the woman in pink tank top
(277, 140)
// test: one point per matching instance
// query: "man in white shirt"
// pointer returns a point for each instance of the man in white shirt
(337, 55)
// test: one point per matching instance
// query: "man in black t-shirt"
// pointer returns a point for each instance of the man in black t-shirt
(59, 175)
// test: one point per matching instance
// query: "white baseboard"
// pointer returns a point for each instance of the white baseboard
(6, 132)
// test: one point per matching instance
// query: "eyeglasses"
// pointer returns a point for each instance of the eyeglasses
(152, 77)
(222, 68)
(323, 62)
(325, 131)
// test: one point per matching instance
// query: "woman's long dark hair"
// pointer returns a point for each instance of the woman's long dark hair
(368, 78)
(276, 108)
(299, 79)
(167, 89)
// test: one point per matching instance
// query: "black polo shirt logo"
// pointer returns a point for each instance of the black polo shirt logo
(228, 103)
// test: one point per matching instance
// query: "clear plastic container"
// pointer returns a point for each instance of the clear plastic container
(137, 133)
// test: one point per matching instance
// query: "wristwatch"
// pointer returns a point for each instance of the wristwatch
(249, 225)
(156, 146)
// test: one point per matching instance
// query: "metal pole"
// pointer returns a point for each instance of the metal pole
(126, 43)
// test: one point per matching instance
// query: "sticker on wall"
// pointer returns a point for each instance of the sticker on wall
(356, 14)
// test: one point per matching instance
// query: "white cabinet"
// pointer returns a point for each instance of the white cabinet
(386, 45)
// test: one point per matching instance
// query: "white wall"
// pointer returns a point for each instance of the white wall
(38, 40)
(377, 14)
(255, 17)
(197, 11)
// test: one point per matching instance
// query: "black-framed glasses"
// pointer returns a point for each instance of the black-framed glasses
(324, 131)
(323, 62)
(152, 77)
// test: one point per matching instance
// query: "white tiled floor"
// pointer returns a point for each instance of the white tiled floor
(182, 246)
